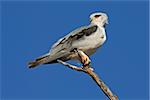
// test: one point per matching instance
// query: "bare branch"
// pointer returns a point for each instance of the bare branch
(70, 66)
(88, 70)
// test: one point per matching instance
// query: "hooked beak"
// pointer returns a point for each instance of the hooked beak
(107, 21)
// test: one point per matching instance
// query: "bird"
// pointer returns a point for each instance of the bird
(78, 44)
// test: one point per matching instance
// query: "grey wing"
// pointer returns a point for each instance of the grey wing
(63, 46)
(65, 38)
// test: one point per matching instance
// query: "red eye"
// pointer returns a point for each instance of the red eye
(96, 16)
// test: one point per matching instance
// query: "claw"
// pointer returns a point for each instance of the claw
(84, 58)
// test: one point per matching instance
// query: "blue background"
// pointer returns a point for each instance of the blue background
(29, 28)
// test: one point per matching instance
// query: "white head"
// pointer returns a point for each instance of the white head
(99, 18)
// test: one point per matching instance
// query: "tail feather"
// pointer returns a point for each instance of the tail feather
(37, 62)
(33, 64)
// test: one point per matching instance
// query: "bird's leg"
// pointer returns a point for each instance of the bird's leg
(83, 58)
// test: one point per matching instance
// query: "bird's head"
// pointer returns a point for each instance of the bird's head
(99, 18)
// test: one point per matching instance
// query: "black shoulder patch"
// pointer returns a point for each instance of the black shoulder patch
(86, 32)
(90, 30)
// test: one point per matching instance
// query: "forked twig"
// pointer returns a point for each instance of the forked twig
(88, 70)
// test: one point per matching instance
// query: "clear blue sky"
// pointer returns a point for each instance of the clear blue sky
(29, 29)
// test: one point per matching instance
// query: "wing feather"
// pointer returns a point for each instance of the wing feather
(63, 45)
(76, 34)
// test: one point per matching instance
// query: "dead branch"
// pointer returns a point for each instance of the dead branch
(88, 70)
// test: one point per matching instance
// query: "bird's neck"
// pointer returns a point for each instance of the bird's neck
(99, 24)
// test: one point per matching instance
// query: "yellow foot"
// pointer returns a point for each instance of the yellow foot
(84, 58)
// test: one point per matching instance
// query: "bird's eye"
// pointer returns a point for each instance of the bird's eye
(96, 16)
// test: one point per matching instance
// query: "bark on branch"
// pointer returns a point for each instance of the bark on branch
(88, 70)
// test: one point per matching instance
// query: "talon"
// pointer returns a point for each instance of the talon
(87, 63)
(84, 58)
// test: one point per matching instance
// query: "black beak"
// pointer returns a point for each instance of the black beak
(104, 25)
